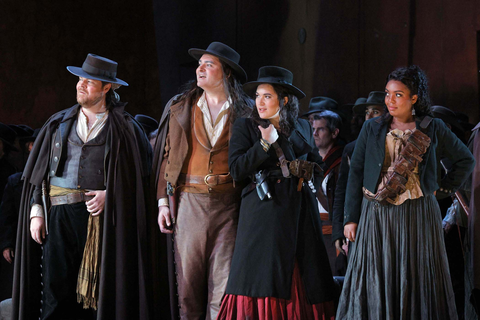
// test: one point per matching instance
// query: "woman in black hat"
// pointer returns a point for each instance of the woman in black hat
(280, 261)
(398, 267)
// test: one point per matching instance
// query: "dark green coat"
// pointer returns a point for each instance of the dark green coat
(273, 234)
(369, 154)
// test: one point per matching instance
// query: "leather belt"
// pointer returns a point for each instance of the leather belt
(210, 180)
(70, 198)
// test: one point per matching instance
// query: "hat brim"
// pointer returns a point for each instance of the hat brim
(360, 108)
(9, 145)
(79, 72)
(241, 74)
(250, 88)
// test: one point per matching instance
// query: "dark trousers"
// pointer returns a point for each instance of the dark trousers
(62, 255)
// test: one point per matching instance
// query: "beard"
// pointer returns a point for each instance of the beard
(87, 101)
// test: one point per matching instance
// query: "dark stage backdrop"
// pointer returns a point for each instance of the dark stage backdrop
(340, 49)
(39, 38)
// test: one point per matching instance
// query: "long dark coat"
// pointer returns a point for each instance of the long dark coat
(273, 234)
(124, 290)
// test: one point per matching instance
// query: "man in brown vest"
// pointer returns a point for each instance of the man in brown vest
(192, 149)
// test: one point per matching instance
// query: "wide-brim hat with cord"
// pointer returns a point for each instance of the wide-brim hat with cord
(273, 75)
(7, 135)
(319, 104)
(225, 54)
(98, 68)
(375, 98)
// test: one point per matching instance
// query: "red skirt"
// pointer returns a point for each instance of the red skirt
(269, 308)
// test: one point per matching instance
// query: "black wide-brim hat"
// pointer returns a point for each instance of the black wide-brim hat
(148, 123)
(448, 116)
(32, 137)
(225, 54)
(319, 104)
(375, 98)
(273, 75)
(98, 68)
(8, 135)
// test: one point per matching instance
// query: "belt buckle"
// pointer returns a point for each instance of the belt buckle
(206, 179)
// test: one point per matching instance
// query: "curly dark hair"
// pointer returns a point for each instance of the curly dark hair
(288, 112)
(241, 103)
(416, 81)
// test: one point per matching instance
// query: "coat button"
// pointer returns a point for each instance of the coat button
(379, 164)
(52, 172)
(57, 145)
(55, 159)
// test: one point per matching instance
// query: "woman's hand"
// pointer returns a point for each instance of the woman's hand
(350, 231)
(270, 134)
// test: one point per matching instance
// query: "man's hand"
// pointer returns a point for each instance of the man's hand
(96, 205)
(8, 254)
(37, 229)
(350, 231)
(165, 219)
(339, 243)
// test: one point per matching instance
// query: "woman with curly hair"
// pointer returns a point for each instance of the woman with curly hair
(398, 266)
(280, 267)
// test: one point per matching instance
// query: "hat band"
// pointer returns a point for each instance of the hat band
(98, 72)
(273, 80)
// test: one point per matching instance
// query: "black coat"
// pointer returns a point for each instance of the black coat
(124, 288)
(273, 234)
(340, 190)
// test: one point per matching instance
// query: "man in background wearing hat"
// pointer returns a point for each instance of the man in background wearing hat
(149, 125)
(91, 161)
(326, 129)
(191, 159)
(7, 140)
(9, 209)
(372, 107)
(319, 104)
(455, 220)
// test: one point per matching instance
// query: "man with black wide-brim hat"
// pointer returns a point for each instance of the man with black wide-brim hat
(191, 165)
(85, 176)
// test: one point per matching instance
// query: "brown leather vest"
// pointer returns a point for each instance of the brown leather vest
(203, 159)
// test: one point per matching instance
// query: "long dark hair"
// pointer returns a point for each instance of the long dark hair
(288, 112)
(416, 81)
(241, 104)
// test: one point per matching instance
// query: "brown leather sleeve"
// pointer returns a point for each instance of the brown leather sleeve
(162, 183)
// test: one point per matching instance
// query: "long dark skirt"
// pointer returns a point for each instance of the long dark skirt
(398, 267)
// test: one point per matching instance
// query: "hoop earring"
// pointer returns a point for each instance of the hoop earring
(413, 111)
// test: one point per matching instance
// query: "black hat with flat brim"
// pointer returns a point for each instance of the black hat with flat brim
(275, 76)
(375, 98)
(319, 104)
(447, 115)
(8, 135)
(98, 68)
(148, 123)
(32, 137)
(225, 54)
